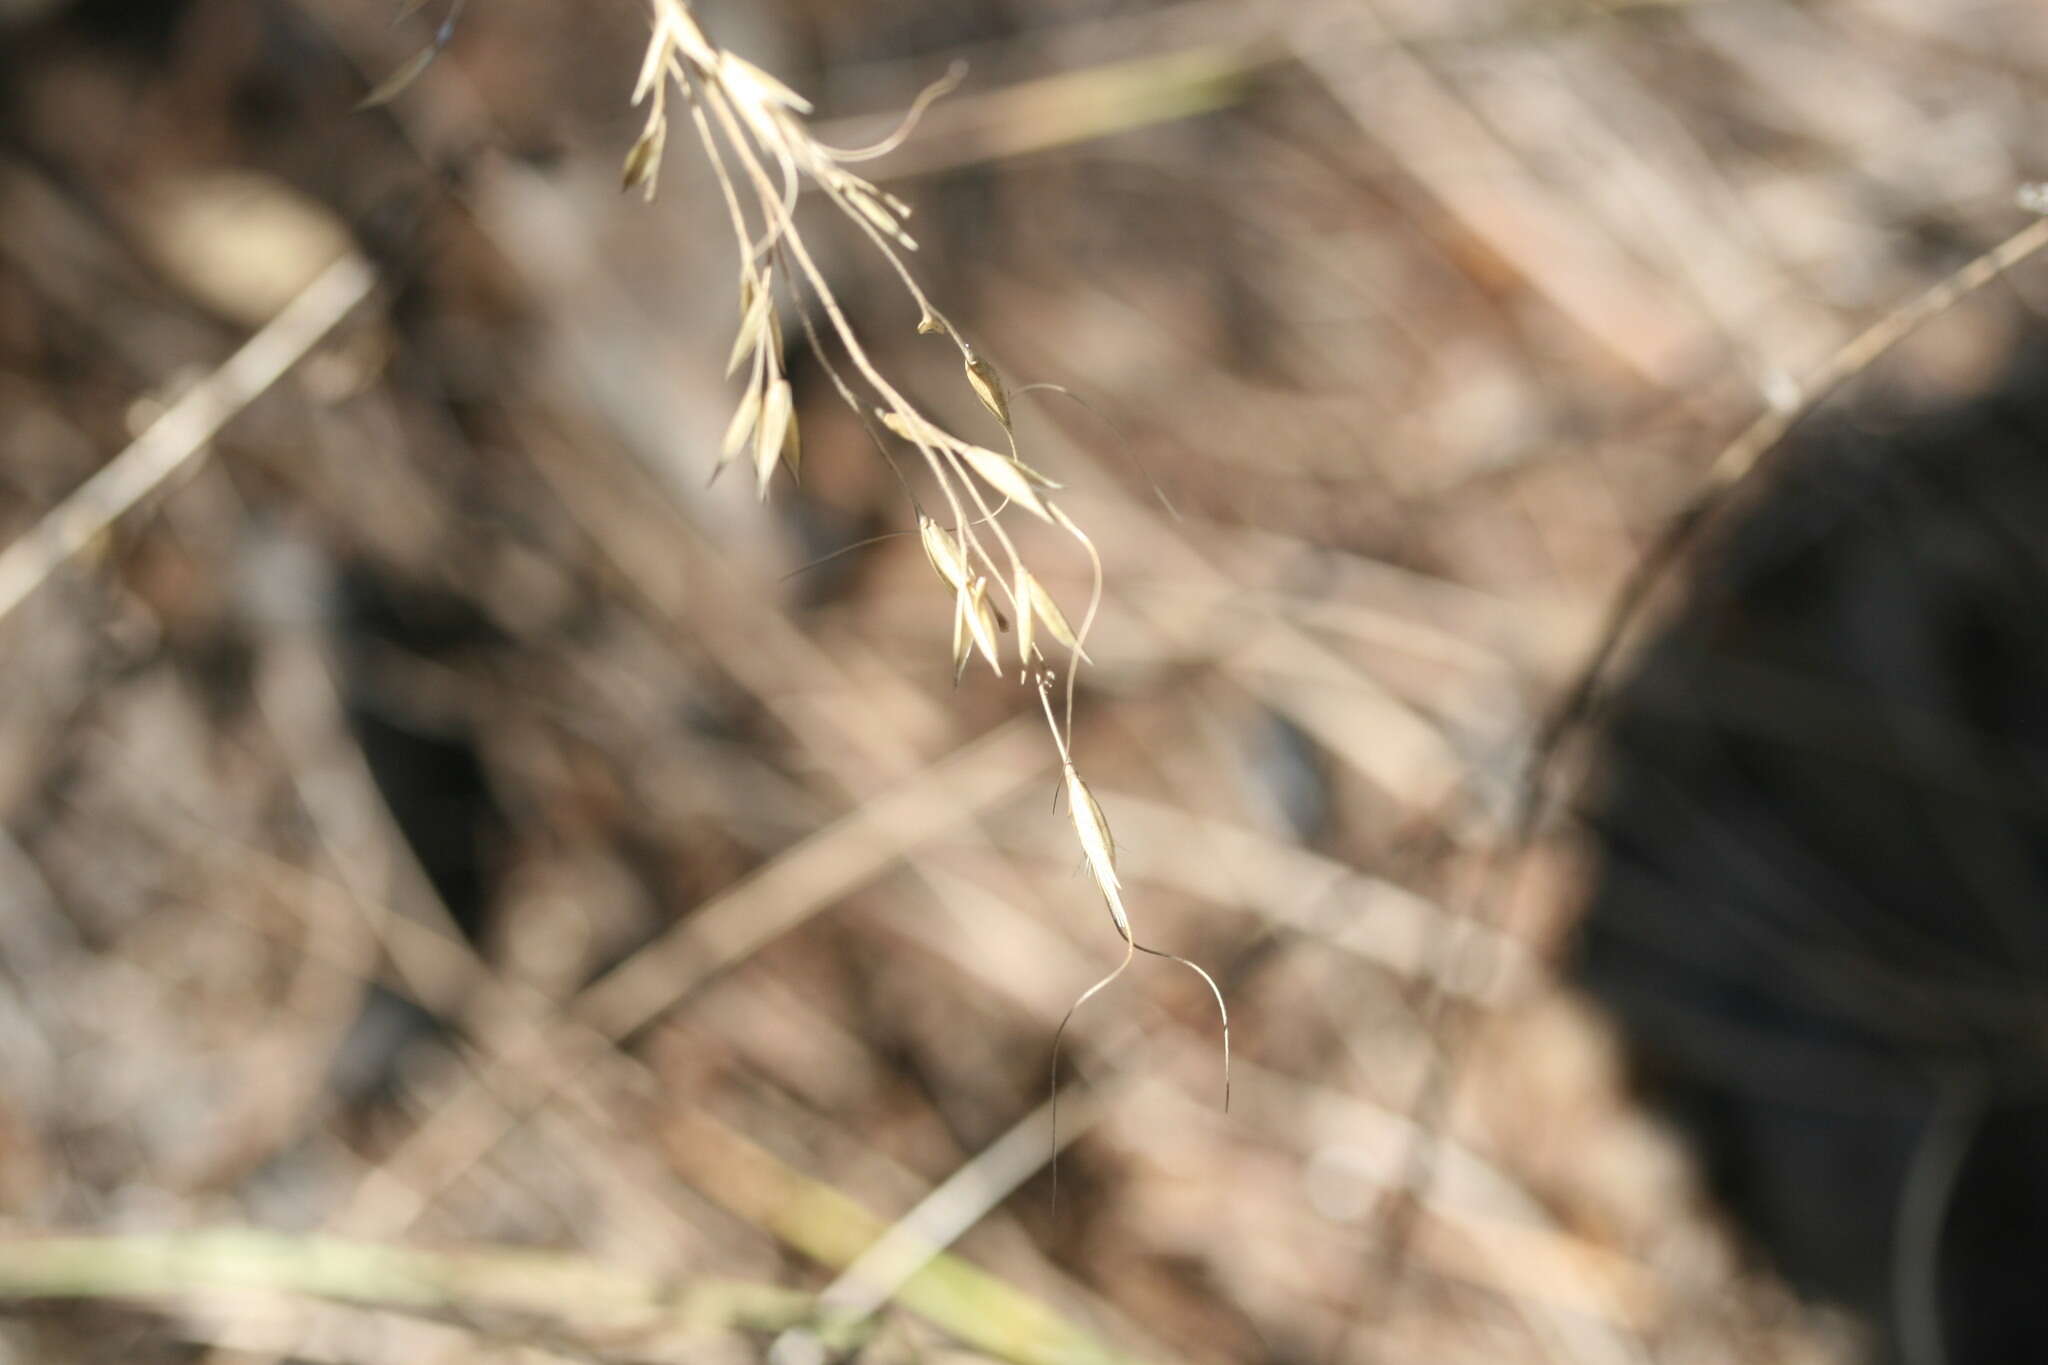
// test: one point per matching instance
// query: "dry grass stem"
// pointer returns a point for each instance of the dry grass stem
(757, 127)
(178, 437)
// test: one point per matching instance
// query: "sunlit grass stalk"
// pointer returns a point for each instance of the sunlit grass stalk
(761, 152)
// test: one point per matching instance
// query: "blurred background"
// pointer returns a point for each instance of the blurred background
(438, 818)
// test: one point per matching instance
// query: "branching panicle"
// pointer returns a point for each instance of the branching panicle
(760, 149)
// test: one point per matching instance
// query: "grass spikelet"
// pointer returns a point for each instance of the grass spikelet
(750, 79)
(987, 385)
(792, 447)
(753, 321)
(1097, 846)
(911, 428)
(1025, 614)
(963, 643)
(1005, 475)
(777, 413)
(658, 49)
(944, 553)
(981, 623)
(643, 161)
(871, 209)
(742, 426)
(1034, 600)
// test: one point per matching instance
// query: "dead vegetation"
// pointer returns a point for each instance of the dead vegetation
(572, 916)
